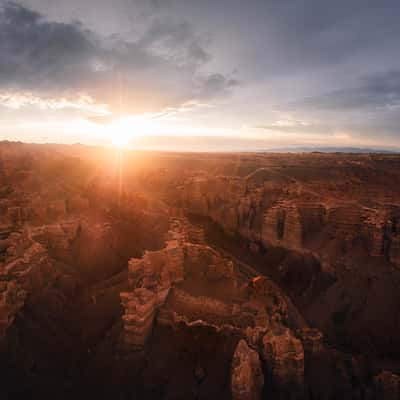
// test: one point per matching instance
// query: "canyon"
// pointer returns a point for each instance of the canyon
(238, 276)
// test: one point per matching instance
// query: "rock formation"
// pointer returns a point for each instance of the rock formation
(247, 378)
(282, 227)
(192, 285)
(284, 357)
(24, 270)
(151, 279)
(193, 275)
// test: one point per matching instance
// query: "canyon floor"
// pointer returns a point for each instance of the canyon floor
(245, 276)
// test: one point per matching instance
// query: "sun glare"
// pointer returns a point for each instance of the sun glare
(120, 139)
(121, 131)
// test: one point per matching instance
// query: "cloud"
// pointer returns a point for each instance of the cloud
(332, 67)
(295, 126)
(159, 69)
(16, 101)
(215, 83)
(377, 92)
(175, 41)
(368, 109)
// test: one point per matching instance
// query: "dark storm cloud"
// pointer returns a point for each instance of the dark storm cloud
(60, 58)
(37, 53)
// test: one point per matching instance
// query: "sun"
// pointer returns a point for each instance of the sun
(120, 139)
(121, 132)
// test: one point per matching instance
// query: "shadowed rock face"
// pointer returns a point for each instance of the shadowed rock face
(284, 356)
(243, 276)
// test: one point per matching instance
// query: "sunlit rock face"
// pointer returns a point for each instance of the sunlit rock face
(151, 279)
(24, 270)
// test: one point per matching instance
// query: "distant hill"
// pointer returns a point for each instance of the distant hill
(332, 150)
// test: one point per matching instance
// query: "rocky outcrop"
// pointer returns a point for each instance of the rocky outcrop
(190, 288)
(140, 307)
(12, 298)
(24, 270)
(57, 238)
(282, 227)
(264, 292)
(151, 278)
(247, 378)
(284, 357)
(384, 235)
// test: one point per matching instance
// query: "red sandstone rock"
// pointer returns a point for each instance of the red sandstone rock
(282, 226)
(284, 356)
(247, 378)
(22, 272)
(139, 315)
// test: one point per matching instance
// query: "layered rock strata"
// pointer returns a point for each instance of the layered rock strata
(24, 270)
(193, 285)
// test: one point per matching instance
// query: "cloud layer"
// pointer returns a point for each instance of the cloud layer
(160, 68)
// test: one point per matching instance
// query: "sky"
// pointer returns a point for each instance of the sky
(201, 74)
